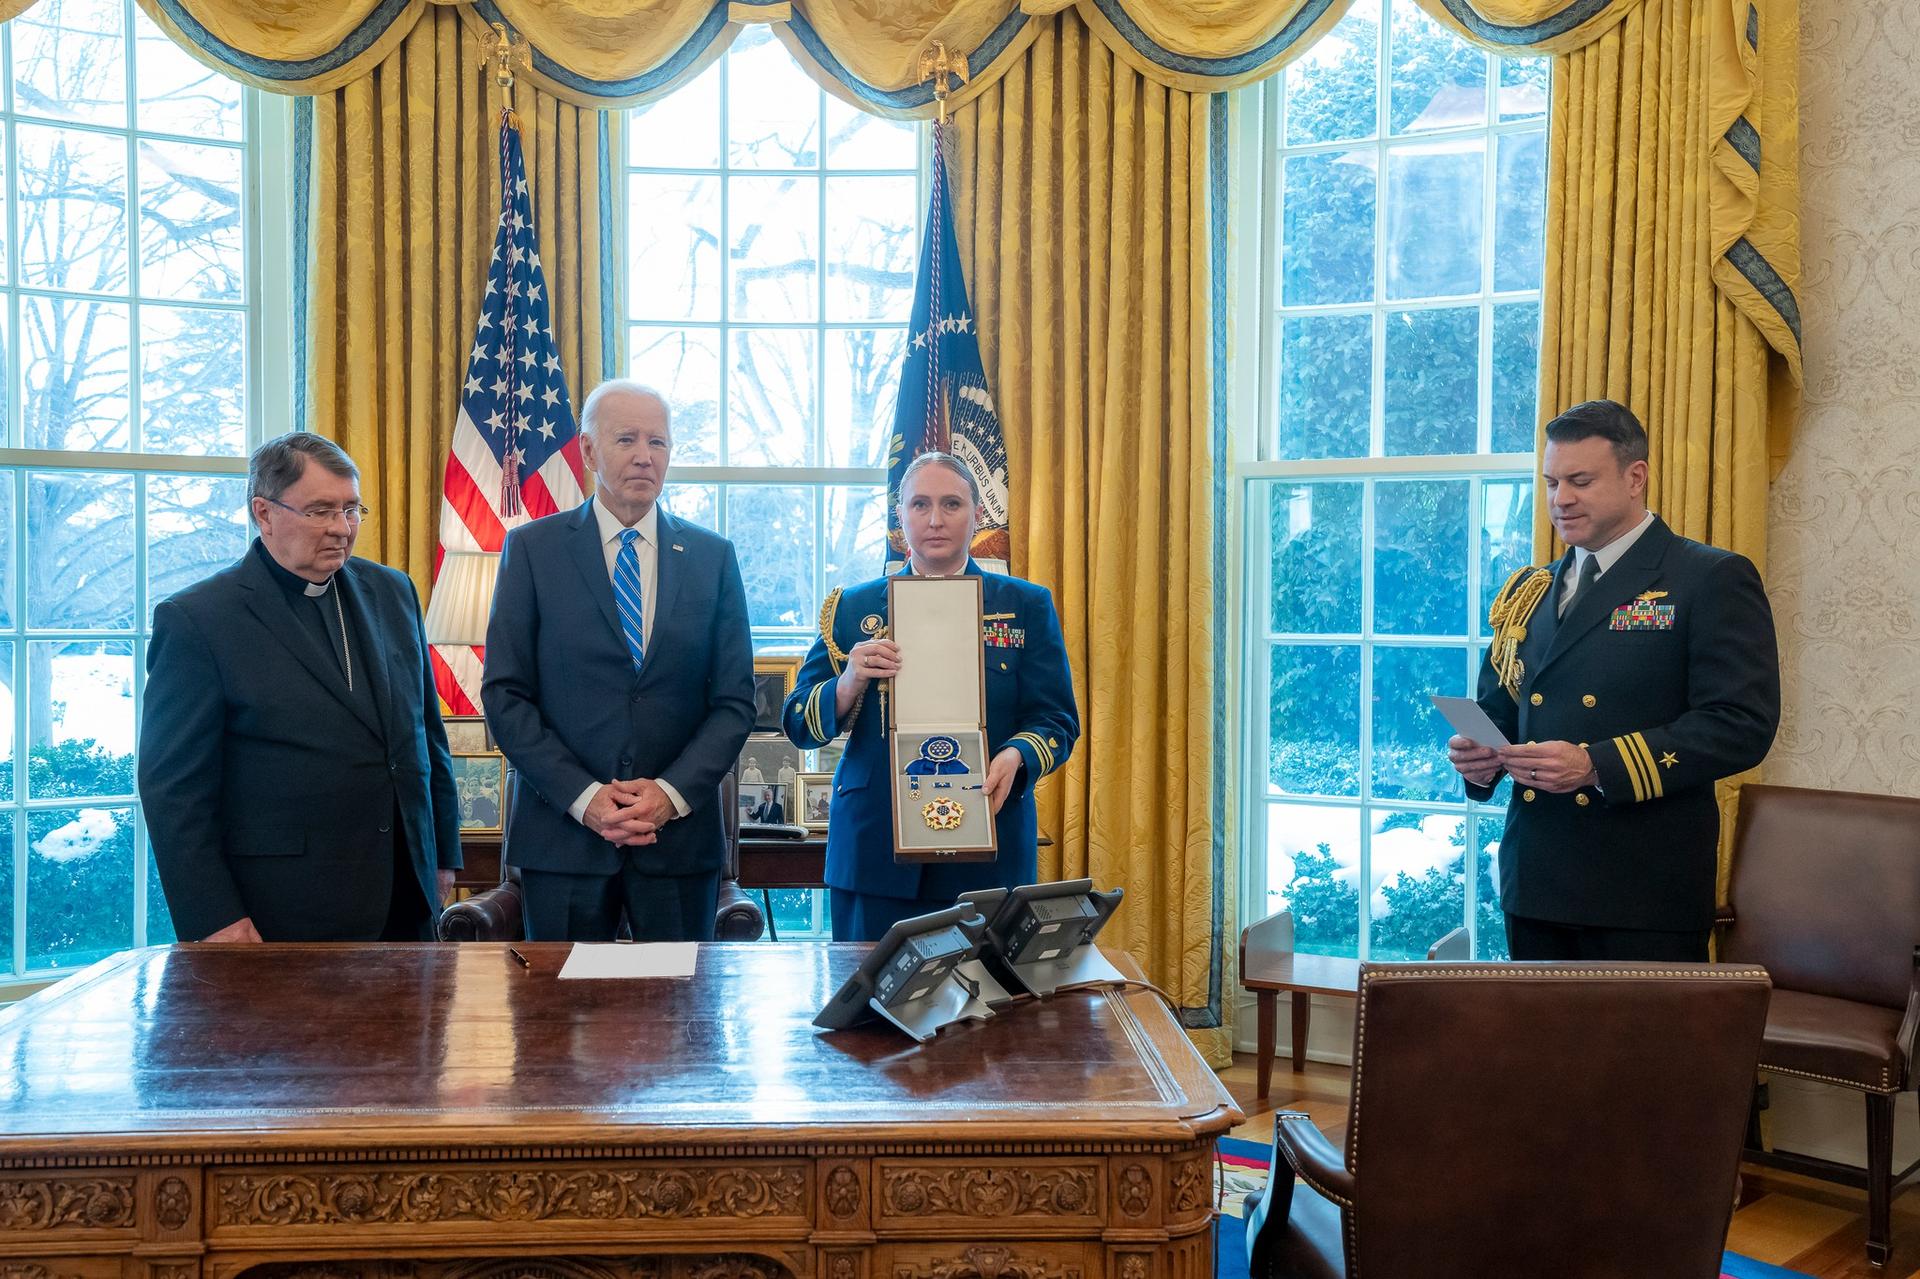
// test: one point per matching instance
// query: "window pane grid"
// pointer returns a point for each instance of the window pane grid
(1361, 510)
(131, 486)
(1380, 147)
(754, 423)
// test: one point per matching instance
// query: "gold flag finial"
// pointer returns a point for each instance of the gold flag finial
(939, 66)
(502, 52)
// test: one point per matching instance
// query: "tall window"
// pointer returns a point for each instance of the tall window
(125, 299)
(1393, 490)
(772, 233)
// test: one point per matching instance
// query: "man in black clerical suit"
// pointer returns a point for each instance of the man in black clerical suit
(1631, 676)
(293, 766)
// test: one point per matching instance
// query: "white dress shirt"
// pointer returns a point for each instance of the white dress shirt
(646, 549)
(1608, 555)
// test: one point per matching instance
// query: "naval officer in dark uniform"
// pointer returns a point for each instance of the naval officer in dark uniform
(1032, 722)
(1631, 675)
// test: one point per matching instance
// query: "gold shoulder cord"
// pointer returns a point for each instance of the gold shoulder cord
(835, 654)
(837, 658)
(1507, 619)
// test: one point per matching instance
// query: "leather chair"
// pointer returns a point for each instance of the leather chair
(495, 914)
(1516, 1120)
(1826, 895)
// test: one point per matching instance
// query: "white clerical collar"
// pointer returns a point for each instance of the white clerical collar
(1611, 553)
(611, 527)
(314, 590)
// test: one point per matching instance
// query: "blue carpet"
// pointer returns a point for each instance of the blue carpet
(1242, 1166)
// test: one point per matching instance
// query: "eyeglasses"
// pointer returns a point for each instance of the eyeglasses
(327, 514)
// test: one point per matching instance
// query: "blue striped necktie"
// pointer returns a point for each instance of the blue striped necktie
(626, 593)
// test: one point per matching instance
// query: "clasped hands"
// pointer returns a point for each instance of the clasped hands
(629, 812)
(1554, 767)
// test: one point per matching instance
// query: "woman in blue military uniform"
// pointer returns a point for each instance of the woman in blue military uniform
(1032, 722)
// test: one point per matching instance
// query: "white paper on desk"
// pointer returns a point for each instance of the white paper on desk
(1470, 721)
(629, 959)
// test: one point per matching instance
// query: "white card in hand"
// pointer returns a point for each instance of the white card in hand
(1470, 721)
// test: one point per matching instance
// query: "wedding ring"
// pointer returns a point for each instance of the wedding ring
(1533, 774)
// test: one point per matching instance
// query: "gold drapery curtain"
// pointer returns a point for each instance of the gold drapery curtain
(1637, 214)
(1672, 236)
(406, 196)
(1081, 193)
(1672, 247)
(1530, 26)
(610, 54)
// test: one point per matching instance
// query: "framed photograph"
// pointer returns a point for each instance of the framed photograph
(768, 804)
(772, 681)
(768, 759)
(827, 758)
(816, 798)
(480, 781)
(467, 734)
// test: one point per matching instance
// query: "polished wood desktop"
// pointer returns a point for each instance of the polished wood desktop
(443, 1112)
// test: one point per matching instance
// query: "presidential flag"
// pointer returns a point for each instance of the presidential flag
(516, 449)
(944, 402)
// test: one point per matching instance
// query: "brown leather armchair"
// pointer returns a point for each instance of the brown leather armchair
(1510, 1120)
(1826, 895)
(495, 914)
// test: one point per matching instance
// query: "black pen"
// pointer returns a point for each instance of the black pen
(518, 957)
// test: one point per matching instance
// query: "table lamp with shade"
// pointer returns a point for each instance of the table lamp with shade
(462, 597)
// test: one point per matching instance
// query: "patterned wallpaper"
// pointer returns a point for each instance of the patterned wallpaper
(1844, 541)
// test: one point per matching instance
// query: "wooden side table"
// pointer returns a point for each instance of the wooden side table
(1269, 964)
(1267, 972)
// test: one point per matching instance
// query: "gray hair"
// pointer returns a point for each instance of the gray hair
(933, 457)
(590, 411)
(277, 465)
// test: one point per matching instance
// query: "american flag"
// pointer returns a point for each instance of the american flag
(516, 449)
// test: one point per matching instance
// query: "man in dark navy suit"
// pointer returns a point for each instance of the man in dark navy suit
(1631, 676)
(619, 682)
(293, 766)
